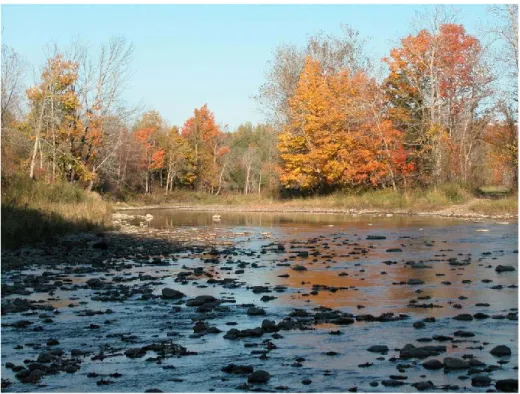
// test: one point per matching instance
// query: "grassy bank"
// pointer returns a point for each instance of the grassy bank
(417, 200)
(34, 211)
(378, 199)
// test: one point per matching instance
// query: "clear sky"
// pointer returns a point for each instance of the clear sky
(188, 55)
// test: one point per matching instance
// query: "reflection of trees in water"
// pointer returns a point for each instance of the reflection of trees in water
(173, 217)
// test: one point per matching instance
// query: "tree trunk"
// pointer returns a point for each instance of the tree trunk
(246, 186)
(53, 142)
(36, 141)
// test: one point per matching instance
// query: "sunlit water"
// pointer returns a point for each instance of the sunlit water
(369, 286)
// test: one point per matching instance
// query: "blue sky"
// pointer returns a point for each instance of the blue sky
(188, 55)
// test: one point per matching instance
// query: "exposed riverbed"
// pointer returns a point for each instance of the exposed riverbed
(303, 297)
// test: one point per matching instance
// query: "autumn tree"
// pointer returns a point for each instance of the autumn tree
(436, 87)
(208, 149)
(54, 111)
(334, 52)
(333, 138)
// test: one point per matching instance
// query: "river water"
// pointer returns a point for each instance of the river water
(453, 261)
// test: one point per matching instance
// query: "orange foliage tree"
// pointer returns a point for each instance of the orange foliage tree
(207, 149)
(332, 138)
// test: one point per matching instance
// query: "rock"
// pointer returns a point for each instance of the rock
(201, 300)
(45, 357)
(455, 363)
(480, 381)
(94, 282)
(153, 390)
(392, 383)
(101, 245)
(394, 250)
(303, 253)
(238, 369)
(259, 377)
(378, 349)
(507, 385)
(306, 382)
(299, 268)
(463, 334)
(269, 326)
(410, 351)
(501, 350)
(77, 352)
(504, 268)
(375, 237)
(463, 317)
(135, 353)
(422, 386)
(419, 324)
(168, 293)
(432, 364)
(413, 282)
(254, 311)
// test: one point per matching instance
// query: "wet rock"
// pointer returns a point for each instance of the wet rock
(135, 353)
(414, 282)
(299, 268)
(306, 382)
(238, 369)
(423, 386)
(432, 364)
(507, 385)
(410, 351)
(455, 363)
(375, 237)
(480, 381)
(259, 377)
(94, 282)
(419, 324)
(463, 317)
(153, 390)
(260, 289)
(45, 357)
(374, 383)
(392, 383)
(269, 326)
(464, 334)
(254, 311)
(504, 268)
(394, 250)
(168, 293)
(101, 245)
(442, 338)
(77, 353)
(378, 349)
(501, 350)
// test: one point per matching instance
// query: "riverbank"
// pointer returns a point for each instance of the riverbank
(35, 211)
(448, 200)
(474, 209)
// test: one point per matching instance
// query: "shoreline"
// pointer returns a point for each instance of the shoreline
(456, 211)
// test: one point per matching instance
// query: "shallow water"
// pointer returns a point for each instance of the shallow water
(342, 248)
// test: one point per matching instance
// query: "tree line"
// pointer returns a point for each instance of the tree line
(444, 109)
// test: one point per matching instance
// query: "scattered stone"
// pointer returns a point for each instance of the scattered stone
(501, 350)
(259, 377)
